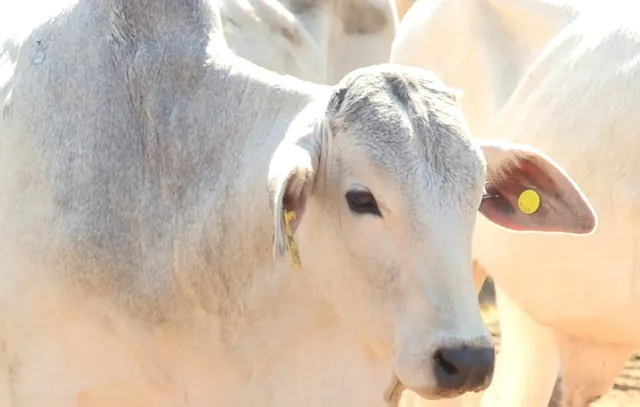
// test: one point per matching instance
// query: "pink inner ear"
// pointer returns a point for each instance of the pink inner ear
(532, 176)
(500, 211)
(521, 176)
(562, 207)
(518, 178)
(295, 199)
(501, 203)
(289, 202)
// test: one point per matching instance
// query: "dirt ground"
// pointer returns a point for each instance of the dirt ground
(626, 391)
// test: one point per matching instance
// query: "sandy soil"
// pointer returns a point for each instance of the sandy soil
(626, 391)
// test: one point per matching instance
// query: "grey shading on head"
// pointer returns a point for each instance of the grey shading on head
(405, 118)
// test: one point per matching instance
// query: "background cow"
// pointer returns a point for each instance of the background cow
(561, 78)
(402, 6)
(147, 256)
(316, 40)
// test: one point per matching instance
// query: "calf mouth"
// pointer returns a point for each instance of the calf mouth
(394, 390)
(393, 393)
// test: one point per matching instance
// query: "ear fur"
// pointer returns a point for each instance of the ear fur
(293, 169)
(514, 168)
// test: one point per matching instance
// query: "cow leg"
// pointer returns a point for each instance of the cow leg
(528, 362)
(588, 369)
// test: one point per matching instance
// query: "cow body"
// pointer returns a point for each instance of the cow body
(402, 6)
(315, 40)
(561, 79)
(138, 228)
(179, 226)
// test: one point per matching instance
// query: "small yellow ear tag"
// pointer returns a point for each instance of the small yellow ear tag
(292, 246)
(529, 201)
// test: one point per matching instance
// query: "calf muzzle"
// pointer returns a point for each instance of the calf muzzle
(460, 369)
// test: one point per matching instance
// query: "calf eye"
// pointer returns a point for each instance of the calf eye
(361, 202)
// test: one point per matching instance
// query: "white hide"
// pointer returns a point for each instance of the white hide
(143, 169)
(564, 80)
(315, 40)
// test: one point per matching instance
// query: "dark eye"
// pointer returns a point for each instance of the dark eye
(362, 202)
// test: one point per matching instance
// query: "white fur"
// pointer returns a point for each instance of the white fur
(307, 38)
(563, 79)
(144, 168)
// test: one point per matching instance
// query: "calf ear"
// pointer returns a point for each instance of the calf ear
(292, 173)
(551, 202)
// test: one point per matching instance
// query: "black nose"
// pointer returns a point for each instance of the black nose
(463, 368)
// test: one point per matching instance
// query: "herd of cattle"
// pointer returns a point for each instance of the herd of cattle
(274, 203)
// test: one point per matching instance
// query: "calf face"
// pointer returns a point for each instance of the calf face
(385, 184)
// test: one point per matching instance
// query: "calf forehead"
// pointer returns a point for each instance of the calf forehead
(409, 124)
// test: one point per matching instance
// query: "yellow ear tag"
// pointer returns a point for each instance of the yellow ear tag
(292, 246)
(529, 201)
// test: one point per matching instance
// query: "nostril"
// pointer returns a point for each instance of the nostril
(446, 366)
(463, 368)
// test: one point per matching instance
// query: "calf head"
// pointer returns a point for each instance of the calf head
(385, 184)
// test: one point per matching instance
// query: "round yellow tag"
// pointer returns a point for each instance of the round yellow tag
(529, 201)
